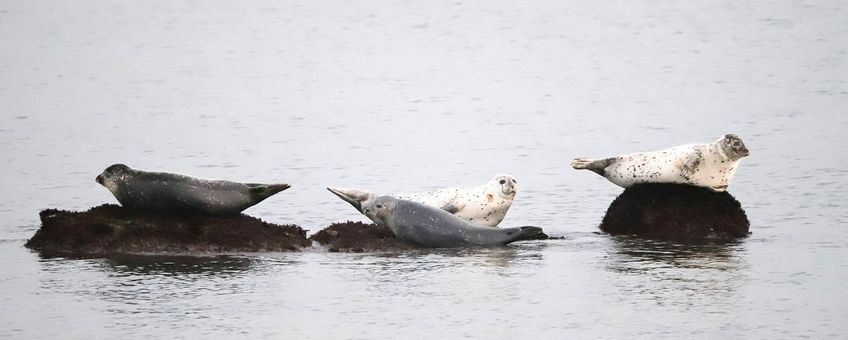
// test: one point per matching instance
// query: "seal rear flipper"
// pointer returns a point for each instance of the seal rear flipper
(595, 165)
(357, 198)
(266, 190)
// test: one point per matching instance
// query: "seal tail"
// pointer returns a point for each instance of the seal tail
(267, 190)
(357, 198)
(595, 165)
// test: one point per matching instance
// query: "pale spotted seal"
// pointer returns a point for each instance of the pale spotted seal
(710, 166)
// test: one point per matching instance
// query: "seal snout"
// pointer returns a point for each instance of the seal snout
(509, 186)
(99, 179)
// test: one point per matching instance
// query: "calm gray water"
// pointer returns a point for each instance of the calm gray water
(403, 96)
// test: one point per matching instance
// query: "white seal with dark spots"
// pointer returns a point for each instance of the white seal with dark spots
(710, 166)
(486, 204)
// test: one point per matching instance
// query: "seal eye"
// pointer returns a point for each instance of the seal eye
(379, 206)
(514, 181)
(503, 181)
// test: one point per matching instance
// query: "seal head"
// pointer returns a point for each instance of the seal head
(504, 185)
(380, 208)
(732, 147)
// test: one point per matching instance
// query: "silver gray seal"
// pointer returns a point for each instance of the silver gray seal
(433, 227)
(167, 192)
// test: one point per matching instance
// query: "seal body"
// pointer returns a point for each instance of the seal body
(436, 228)
(168, 192)
(486, 204)
(710, 166)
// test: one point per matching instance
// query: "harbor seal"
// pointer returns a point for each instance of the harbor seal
(711, 166)
(436, 228)
(167, 192)
(486, 204)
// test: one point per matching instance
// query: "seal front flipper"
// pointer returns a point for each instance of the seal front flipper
(452, 207)
(690, 166)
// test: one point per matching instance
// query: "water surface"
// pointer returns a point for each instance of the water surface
(400, 96)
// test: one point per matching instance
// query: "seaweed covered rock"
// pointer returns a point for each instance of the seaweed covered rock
(359, 237)
(114, 229)
(676, 211)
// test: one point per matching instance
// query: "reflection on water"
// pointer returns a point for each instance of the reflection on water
(405, 268)
(631, 249)
(674, 273)
(419, 262)
(178, 265)
(136, 280)
(168, 265)
(169, 291)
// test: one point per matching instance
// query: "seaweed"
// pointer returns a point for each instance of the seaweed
(110, 228)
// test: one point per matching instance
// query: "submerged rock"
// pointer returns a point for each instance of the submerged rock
(114, 229)
(360, 237)
(676, 211)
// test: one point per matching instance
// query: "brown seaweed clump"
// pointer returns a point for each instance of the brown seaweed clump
(676, 212)
(357, 237)
(114, 229)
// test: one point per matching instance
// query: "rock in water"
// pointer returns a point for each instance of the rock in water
(359, 237)
(676, 211)
(113, 229)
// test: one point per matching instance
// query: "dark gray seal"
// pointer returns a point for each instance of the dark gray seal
(167, 192)
(433, 227)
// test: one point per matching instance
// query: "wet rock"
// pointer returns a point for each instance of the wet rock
(359, 237)
(676, 212)
(114, 229)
